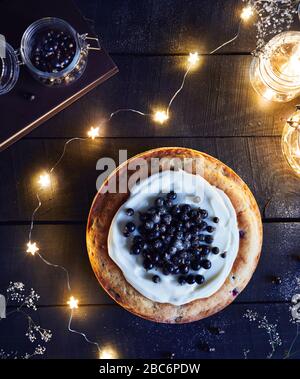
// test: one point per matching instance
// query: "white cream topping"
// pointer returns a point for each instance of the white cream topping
(193, 190)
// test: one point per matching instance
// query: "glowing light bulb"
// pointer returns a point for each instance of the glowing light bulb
(247, 13)
(160, 117)
(108, 353)
(44, 180)
(193, 59)
(32, 248)
(268, 94)
(93, 133)
(73, 303)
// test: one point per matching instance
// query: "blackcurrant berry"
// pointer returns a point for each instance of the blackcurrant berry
(159, 202)
(206, 264)
(148, 265)
(172, 195)
(199, 279)
(130, 227)
(129, 212)
(190, 279)
(155, 279)
(215, 250)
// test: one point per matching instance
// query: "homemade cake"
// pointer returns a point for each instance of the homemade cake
(182, 243)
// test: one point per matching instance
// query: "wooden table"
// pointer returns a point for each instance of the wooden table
(217, 113)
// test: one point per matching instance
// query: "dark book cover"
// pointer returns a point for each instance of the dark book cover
(18, 116)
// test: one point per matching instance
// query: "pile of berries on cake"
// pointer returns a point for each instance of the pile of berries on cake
(176, 239)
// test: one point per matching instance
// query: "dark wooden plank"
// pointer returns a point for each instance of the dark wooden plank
(60, 244)
(138, 27)
(131, 337)
(258, 161)
(169, 26)
(65, 245)
(218, 100)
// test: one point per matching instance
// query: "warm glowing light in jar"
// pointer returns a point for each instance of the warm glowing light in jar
(290, 142)
(44, 180)
(32, 248)
(275, 72)
(292, 68)
(73, 303)
(247, 13)
(160, 116)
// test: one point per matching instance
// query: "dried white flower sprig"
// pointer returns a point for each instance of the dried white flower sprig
(295, 319)
(273, 17)
(16, 294)
(39, 350)
(20, 298)
(271, 329)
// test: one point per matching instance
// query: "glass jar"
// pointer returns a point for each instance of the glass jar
(275, 73)
(9, 68)
(54, 53)
(290, 142)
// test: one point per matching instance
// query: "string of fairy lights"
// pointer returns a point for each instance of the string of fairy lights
(159, 116)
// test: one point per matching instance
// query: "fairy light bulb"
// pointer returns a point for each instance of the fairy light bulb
(290, 142)
(93, 133)
(247, 13)
(160, 116)
(193, 59)
(32, 248)
(73, 303)
(108, 353)
(268, 94)
(44, 180)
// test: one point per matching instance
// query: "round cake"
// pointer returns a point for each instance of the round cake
(174, 235)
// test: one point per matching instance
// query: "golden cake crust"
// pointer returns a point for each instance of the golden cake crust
(109, 275)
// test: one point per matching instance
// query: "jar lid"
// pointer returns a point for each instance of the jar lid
(9, 68)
